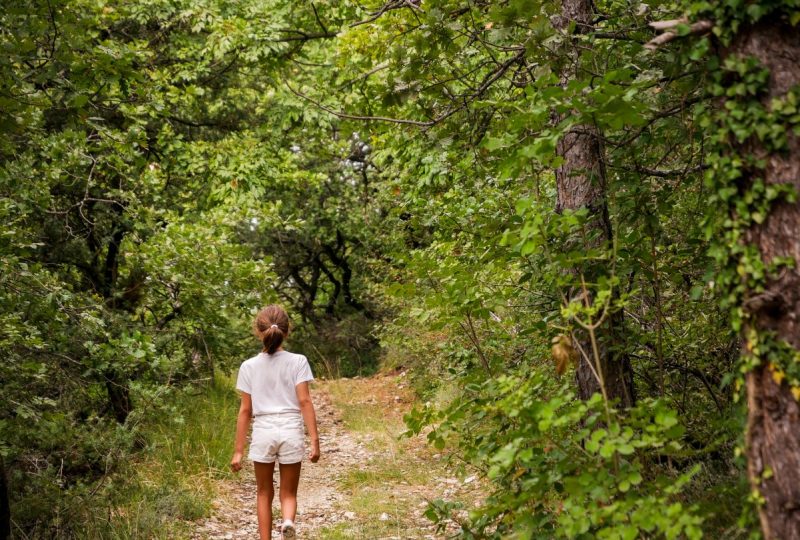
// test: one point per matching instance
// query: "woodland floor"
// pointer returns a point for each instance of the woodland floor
(369, 484)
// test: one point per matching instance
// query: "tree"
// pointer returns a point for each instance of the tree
(483, 83)
(757, 175)
(5, 513)
(581, 184)
(448, 185)
(133, 132)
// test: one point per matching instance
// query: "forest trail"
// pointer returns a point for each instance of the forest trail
(368, 484)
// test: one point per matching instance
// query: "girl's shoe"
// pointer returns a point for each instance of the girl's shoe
(288, 531)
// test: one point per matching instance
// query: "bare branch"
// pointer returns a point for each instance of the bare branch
(299, 35)
(487, 82)
(665, 174)
(391, 5)
(347, 116)
(319, 21)
(671, 33)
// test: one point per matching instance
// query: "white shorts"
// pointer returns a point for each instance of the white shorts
(277, 437)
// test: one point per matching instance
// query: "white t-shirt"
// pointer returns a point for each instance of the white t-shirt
(270, 379)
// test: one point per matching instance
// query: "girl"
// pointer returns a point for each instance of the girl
(274, 387)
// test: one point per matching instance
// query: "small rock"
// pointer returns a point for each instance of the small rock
(384, 517)
(350, 515)
(469, 479)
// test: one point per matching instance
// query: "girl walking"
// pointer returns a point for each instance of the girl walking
(274, 389)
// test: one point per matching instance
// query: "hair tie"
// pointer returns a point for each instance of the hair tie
(275, 326)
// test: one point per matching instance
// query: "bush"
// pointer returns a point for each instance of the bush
(560, 467)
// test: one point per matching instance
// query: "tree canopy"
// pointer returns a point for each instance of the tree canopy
(575, 223)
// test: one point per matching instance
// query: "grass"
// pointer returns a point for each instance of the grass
(361, 418)
(174, 480)
(368, 524)
(365, 408)
(387, 472)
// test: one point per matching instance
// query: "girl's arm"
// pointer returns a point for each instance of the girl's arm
(309, 417)
(242, 424)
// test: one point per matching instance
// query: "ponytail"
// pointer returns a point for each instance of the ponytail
(272, 339)
(271, 327)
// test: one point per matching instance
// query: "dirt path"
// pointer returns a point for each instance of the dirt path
(234, 510)
(367, 485)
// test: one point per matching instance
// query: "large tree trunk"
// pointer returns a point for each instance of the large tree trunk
(581, 183)
(773, 430)
(5, 506)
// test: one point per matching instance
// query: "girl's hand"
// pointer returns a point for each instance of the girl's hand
(236, 462)
(314, 457)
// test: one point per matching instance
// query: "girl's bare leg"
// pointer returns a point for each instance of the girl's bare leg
(290, 479)
(264, 495)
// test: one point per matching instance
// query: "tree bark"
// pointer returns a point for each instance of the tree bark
(581, 183)
(5, 507)
(773, 429)
(119, 396)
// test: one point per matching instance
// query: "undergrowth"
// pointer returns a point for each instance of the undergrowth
(172, 481)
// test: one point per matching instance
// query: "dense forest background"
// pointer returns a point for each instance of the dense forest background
(575, 223)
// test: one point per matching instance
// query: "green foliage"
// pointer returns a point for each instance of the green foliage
(133, 135)
(558, 470)
(485, 285)
(750, 115)
(168, 167)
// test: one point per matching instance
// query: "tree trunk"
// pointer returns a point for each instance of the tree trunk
(773, 429)
(119, 396)
(581, 183)
(5, 506)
